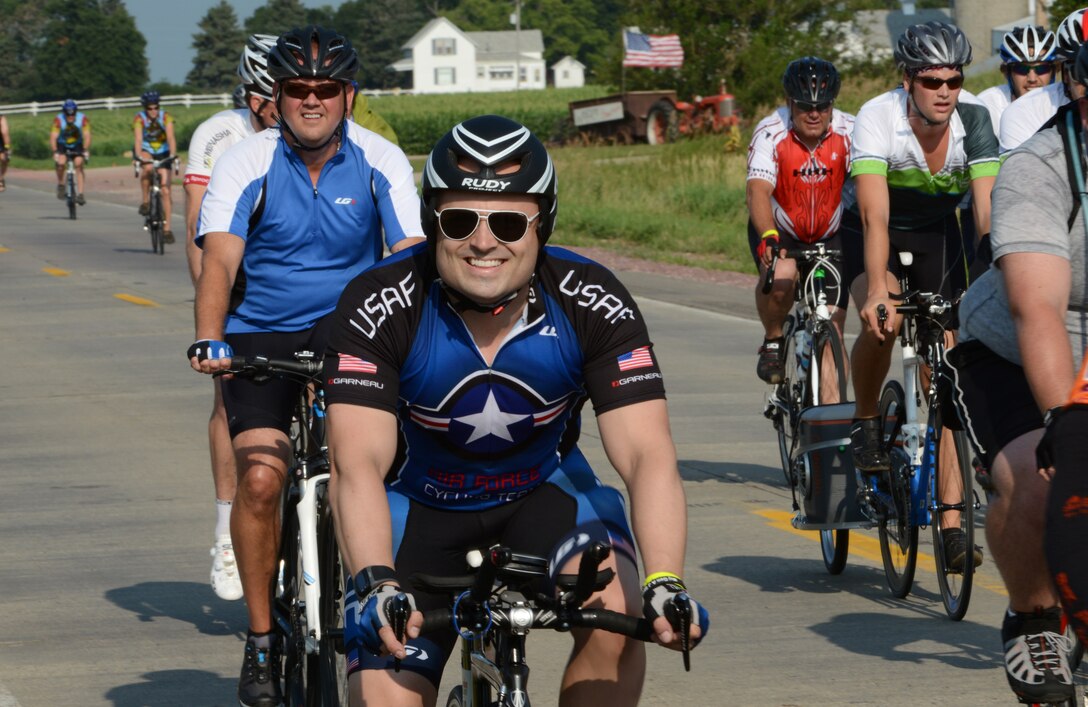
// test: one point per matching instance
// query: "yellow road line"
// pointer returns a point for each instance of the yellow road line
(136, 300)
(56, 272)
(868, 546)
(4, 250)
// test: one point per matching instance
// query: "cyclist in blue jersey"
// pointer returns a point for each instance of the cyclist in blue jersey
(153, 139)
(290, 216)
(456, 374)
(71, 132)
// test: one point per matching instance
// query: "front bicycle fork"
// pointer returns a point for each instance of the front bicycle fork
(306, 510)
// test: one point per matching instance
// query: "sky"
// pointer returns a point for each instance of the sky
(169, 27)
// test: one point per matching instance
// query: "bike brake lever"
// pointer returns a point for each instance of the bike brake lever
(400, 610)
(678, 613)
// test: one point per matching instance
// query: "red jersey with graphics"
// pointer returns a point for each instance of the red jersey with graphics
(807, 197)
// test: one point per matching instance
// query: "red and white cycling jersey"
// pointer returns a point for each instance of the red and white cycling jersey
(807, 196)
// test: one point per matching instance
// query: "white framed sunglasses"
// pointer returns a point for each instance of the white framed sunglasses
(458, 223)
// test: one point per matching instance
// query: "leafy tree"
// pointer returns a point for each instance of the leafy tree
(1060, 9)
(218, 45)
(378, 29)
(87, 48)
(278, 16)
(747, 43)
(19, 33)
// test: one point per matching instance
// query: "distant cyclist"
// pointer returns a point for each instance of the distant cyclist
(5, 150)
(1023, 329)
(917, 151)
(798, 161)
(1026, 115)
(71, 133)
(154, 140)
(210, 141)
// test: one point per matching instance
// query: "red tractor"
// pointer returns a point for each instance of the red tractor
(654, 116)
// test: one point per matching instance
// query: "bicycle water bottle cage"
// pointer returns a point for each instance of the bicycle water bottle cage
(465, 633)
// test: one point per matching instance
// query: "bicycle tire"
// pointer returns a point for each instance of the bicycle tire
(290, 613)
(788, 407)
(332, 678)
(154, 220)
(71, 196)
(834, 544)
(456, 697)
(955, 584)
(899, 534)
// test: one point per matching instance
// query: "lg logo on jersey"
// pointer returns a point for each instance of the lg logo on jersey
(344, 200)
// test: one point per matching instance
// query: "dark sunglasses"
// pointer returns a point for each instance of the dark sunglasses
(1025, 69)
(152, 107)
(933, 83)
(809, 107)
(507, 226)
(324, 91)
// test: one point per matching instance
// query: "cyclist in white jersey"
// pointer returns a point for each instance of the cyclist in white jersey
(1027, 62)
(1024, 117)
(210, 140)
(917, 151)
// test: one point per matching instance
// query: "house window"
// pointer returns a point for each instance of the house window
(536, 75)
(445, 76)
(443, 46)
(499, 73)
(480, 72)
(566, 74)
(522, 74)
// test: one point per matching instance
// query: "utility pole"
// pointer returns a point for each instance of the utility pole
(515, 20)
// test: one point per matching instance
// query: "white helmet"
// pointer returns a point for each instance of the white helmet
(253, 66)
(1029, 44)
(1071, 35)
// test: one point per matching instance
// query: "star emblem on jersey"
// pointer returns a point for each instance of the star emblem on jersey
(489, 414)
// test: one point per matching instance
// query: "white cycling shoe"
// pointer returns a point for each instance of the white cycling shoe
(225, 580)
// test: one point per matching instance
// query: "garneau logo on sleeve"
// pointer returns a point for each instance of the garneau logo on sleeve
(380, 305)
(594, 297)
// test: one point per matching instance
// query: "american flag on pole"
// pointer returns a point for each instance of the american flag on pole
(354, 364)
(639, 358)
(650, 50)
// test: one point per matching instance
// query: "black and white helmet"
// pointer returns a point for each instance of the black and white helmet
(238, 97)
(931, 44)
(253, 65)
(811, 80)
(313, 52)
(1029, 43)
(489, 141)
(1071, 35)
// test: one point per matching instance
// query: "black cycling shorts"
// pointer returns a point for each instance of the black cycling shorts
(992, 396)
(940, 264)
(254, 405)
(434, 541)
(838, 295)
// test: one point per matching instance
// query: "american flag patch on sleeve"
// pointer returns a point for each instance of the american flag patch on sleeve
(639, 358)
(354, 364)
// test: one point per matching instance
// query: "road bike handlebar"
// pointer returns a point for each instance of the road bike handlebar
(802, 255)
(255, 366)
(164, 163)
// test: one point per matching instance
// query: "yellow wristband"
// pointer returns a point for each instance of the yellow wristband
(659, 575)
(770, 232)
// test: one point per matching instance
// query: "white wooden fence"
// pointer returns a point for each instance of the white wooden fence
(185, 99)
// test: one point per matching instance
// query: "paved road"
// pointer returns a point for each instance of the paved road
(106, 511)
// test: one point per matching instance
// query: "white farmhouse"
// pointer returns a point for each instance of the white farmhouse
(445, 59)
(568, 72)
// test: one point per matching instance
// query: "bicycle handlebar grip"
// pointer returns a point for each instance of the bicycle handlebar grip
(436, 620)
(591, 561)
(613, 622)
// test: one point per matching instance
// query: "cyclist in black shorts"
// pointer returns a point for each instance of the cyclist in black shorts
(267, 285)
(917, 150)
(455, 376)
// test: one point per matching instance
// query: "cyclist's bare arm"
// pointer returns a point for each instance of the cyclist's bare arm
(170, 140)
(406, 243)
(875, 210)
(1038, 285)
(362, 445)
(980, 203)
(222, 258)
(758, 195)
(87, 138)
(639, 445)
(194, 195)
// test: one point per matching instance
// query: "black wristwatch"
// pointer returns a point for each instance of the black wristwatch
(370, 577)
